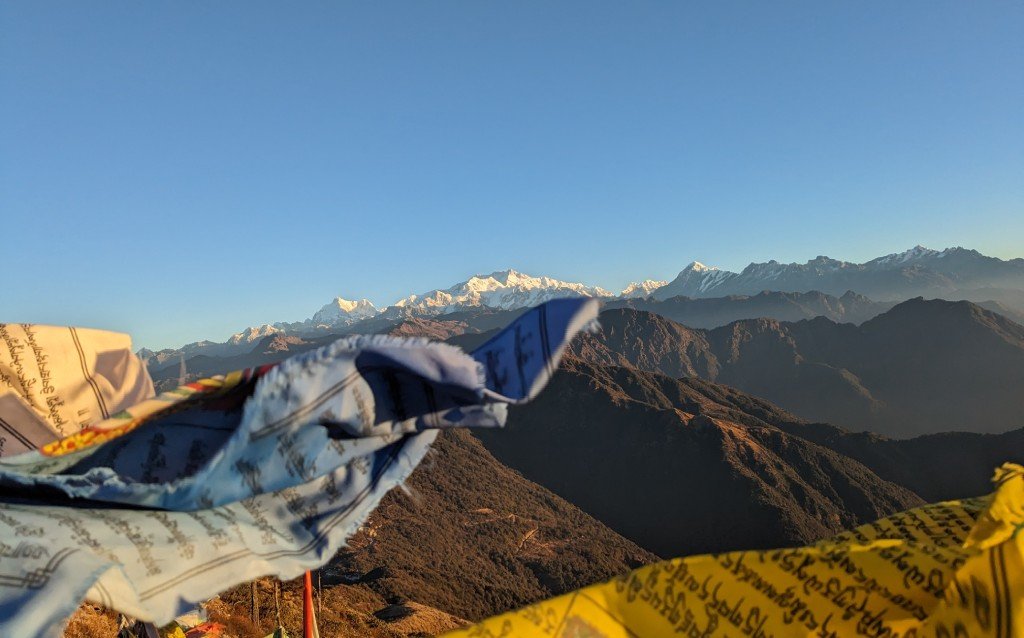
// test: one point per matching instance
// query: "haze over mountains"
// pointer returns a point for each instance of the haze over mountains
(897, 367)
(953, 273)
(711, 312)
(839, 290)
(921, 367)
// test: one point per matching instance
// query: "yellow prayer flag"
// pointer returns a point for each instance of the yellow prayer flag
(947, 569)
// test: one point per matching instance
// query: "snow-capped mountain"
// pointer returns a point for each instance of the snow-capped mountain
(238, 343)
(953, 273)
(504, 290)
(917, 253)
(693, 281)
(918, 271)
(251, 335)
(344, 312)
(640, 290)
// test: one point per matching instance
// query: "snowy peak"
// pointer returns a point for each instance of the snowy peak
(693, 281)
(515, 279)
(951, 273)
(250, 335)
(949, 257)
(504, 290)
(916, 253)
(696, 266)
(642, 289)
(343, 311)
(496, 280)
(772, 270)
(508, 277)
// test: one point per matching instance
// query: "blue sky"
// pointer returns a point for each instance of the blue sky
(182, 170)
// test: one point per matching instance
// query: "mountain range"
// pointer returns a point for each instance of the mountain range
(681, 479)
(700, 296)
(685, 465)
(919, 367)
(922, 367)
(953, 273)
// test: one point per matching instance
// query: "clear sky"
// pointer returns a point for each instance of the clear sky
(183, 170)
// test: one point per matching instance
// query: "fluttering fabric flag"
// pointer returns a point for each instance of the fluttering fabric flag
(260, 472)
(56, 380)
(952, 569)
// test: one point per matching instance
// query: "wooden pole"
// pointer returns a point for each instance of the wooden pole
(277, 600)
(254, 603)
